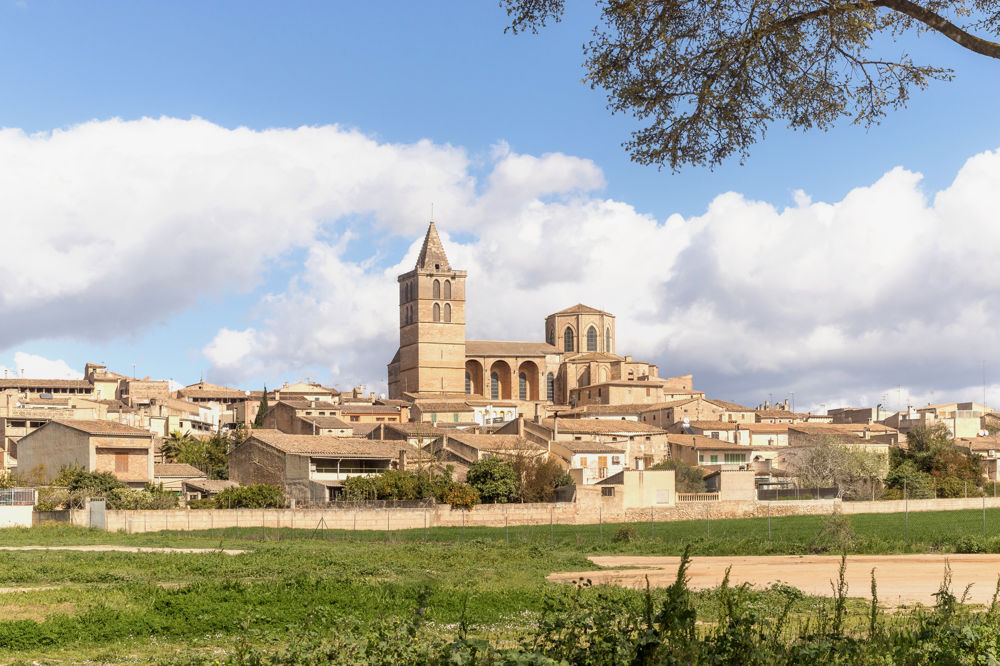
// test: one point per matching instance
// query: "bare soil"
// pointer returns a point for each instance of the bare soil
(901, 579)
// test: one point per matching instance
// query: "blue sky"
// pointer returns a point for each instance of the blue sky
(444, 73)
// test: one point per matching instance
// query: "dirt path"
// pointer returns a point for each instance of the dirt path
(901, 579)
(127, 549)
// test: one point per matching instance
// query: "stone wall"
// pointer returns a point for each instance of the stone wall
(589, 511)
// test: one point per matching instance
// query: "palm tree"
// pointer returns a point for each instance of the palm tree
(174, 444)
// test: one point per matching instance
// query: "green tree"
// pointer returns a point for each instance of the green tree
(258, 421)
(687, 478)
(494, 479)
(931, 459)
(210, 455)
(706, 78)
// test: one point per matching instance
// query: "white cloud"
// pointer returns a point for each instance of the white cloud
(32, 366)
(116, 224)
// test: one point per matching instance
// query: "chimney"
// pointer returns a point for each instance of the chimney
(402, 460)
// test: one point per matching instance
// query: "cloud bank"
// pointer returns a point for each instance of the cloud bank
(118, 224)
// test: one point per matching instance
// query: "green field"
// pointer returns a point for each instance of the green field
(304, 585)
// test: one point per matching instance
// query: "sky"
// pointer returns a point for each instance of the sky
(226, 191)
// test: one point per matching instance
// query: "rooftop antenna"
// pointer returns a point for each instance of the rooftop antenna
(984, 382)
(432, 211)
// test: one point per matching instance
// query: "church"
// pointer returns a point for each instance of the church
(576, 364)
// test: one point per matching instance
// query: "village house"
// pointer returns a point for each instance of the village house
(172, 476)
(298, 416)
(96, 446)
(595, 460)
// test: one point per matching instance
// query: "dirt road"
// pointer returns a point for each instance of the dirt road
(902, 579)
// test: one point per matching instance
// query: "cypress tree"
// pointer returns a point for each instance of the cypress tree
(261, 410)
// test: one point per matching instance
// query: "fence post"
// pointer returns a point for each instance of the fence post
(984, 515)
(966, 490)
(387, 524)
(551, 536)
(652, 529)
(463, 525)
(768, 521)
(506, 529)
(708, 524)
(600, 521)
(425, 525)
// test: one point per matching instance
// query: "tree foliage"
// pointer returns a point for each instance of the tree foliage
(932, 466)
(687, 478)
(706, 78)
(259, 496)
(538, 478)
(258, 421)
(831, 462)
(494, 479)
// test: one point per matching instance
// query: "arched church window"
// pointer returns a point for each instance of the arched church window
(437, 312)
(607, 341)
(468, 383)
(591, 339)
(436, 289)
(522, 386)
(494, 386)
(550, 387)
(447, 313)
(447, 289)
(568, 339)
(551, 337)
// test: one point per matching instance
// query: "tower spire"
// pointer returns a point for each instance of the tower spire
(432, 256)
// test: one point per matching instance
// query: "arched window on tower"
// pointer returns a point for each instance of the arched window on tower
(468, 383)
(607, 341)
(550, 387)
(494, 386)
(551, 337)
(568, 339)
(591, 339)
(447, 289)
(522, 386)
(437, 312)
(447, 312)
(436, 289)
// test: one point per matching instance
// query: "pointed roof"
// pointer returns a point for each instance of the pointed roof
(432, 256)
(580, 308)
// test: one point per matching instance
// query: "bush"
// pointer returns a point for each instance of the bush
(494, 479)
(971, 544)
(461, 496)
(951, 487)
(131, 499)
(359, 489)
(687, 478)
(625, 534)
(260, 496)
(97, 484)
(836, 533)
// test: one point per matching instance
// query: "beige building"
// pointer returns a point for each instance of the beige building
(435, 361)
(594, 460)
(306, 417)
(96, 446)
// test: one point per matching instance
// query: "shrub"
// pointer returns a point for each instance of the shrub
(687, 478)
(625, 534)
(951, 487)
(970, 544)
(95, 483)
(461, 496)
(360, 488)
(494, 479)
(836, 533)
(260, 496)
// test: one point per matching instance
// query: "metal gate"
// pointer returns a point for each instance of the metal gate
(97, 513)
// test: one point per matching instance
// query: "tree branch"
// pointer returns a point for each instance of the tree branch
(940, 24)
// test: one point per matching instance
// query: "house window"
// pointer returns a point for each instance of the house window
(568, 339)
(456, 417)
(447, 289)
(468, 383)
(121, 463)
(583, 460)
(522, 386)
(714, 459)
(715, 435)
(735, 458)
(598, 393)
(447, 313)
(616, 460)
(591, 339)
(494, 386)
(550, 387)
(434, 417)
(436, 289)
(437, 312)
(355, 418)
(607, 491)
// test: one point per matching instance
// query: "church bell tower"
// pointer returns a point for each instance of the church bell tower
(431, 356)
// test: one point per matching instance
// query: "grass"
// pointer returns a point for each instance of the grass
(112, 606)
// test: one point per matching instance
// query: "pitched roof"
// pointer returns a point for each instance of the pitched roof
(729, 406)
(97, 427)
(368, 409)
(630, 408)
(706, 443)
(714, 425)
(608, 426)
(846, 428)
(324, 445)
(495, 442)
(416, 429)
(579, 446)
(45, 383)
(206, 390)
(580, 308)
(176, 469)
(327, 422)
(435, 407)
(432, 254)
(365, 429)
(209, 485)
(302, 403)
(765, 427)
(507, 348)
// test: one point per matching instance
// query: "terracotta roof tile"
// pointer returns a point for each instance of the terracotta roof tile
(322, 445)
